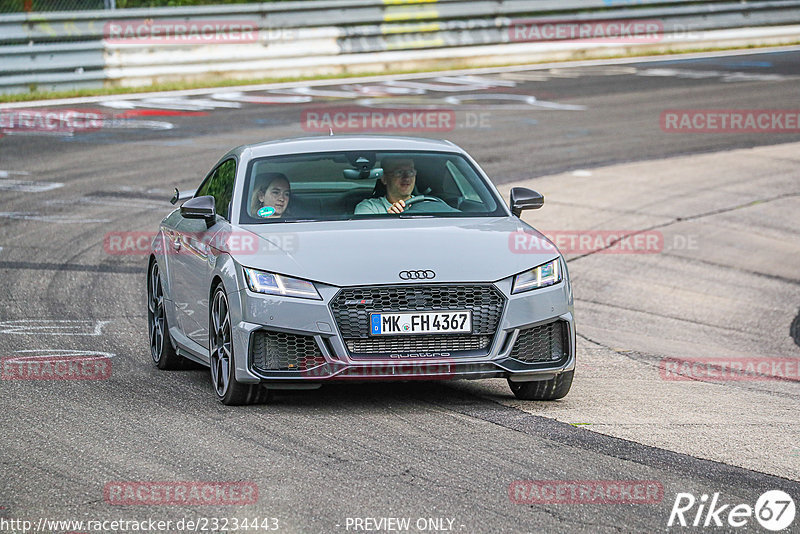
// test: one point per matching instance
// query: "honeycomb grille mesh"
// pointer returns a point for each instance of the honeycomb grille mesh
(279, 351)
(352, 307)
(544, 343)
(352, 316)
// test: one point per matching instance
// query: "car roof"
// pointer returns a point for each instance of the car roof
(331, 143)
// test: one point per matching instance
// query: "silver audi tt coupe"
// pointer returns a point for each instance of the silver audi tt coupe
(303, 261)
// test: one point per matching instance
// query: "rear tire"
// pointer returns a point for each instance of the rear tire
(546, 390)
(161, 349)
(223, 370)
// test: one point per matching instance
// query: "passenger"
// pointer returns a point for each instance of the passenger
(399, 177)
(271, 195)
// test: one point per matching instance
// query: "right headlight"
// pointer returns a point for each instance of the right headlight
(278, 284)
(544, 275)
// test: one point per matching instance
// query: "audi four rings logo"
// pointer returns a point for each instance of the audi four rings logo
(417, 275)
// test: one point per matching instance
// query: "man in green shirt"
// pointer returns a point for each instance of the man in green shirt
(399, 177)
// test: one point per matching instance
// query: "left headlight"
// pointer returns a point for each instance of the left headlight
(277, 284)
(544, 275)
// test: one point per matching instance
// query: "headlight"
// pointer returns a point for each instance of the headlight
(542, 276)
(277, 284)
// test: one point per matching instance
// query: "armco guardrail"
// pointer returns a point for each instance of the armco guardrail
(142, 46)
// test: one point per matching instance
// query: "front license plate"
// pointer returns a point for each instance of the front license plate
(449, 322)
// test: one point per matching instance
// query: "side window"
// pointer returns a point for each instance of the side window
(220, 186)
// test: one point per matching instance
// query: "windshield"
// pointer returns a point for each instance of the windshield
(356, 185)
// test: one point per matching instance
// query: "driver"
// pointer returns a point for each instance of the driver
(273, 193)
(399, 177)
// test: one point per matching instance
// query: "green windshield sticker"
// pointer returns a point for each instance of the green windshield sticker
(266, 211)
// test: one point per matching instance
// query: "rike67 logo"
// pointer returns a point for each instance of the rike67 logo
(774, 510)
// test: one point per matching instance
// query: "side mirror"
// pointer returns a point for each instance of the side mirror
(180, 196)
(525, 199)
(200, 208)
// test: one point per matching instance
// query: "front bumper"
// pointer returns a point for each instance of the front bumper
(314, 323)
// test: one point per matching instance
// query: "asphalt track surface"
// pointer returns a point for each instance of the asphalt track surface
(446, 450)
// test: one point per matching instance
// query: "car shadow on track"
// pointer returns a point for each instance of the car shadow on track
(343, 395)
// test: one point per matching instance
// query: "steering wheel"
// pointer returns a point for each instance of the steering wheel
(424, 198)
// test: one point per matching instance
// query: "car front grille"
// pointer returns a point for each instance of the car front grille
(352, 307)
(279, 351)
(543, 343)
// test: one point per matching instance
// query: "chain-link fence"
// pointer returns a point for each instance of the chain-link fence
(22, 6)
(19, 6)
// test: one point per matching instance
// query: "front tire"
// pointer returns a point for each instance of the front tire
(161, 349)
(546, 390)
(223, 376)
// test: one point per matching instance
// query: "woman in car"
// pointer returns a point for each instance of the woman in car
(271, 195)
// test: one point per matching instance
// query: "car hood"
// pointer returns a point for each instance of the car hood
(375, 251)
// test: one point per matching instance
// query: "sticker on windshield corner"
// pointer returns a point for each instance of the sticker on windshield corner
(266, 211)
